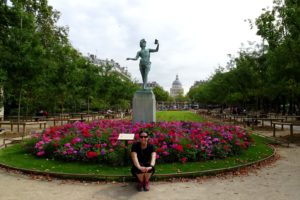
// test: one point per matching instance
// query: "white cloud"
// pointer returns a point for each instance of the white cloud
(195, 35)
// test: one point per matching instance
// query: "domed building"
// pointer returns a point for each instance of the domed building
(176, 88)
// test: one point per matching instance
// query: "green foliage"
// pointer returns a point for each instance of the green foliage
(39, 68)
(28, 144)
(160, 94)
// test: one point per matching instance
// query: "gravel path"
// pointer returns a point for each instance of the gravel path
(278, 181)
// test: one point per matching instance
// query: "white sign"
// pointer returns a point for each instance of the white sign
(126, 136)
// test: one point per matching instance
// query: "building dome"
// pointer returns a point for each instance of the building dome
(176, 88)
(176, 82)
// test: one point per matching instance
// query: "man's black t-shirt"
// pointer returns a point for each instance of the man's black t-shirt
(143, 155)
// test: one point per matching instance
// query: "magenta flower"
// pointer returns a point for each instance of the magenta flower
(76, 140)
(40, 153)
(68, 145)
(87, 146)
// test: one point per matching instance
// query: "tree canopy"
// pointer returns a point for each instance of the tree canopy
(40, 69)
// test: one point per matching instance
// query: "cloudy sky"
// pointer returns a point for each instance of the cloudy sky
(195, 36)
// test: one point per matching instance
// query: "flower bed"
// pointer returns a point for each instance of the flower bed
(174, 141)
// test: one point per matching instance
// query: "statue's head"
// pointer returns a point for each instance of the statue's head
(143, 43)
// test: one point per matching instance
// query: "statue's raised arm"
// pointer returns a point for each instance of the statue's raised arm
(145, 63)
(157, 47)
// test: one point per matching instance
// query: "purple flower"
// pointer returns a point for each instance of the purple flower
(102, 152)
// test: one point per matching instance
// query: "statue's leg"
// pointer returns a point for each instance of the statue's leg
(142, 70)
(147, 69)
(146, 78)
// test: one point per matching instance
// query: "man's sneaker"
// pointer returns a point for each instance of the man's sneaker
(146, 186)
(139, 186)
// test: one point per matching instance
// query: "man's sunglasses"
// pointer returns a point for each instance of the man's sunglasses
(143, 136)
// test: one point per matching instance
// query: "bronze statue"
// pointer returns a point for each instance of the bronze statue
(145, 63)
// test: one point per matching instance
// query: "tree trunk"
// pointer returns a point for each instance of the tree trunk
(290, 111)
(88, 106)
(19, 104)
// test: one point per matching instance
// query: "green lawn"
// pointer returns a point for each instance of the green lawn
(178, 116)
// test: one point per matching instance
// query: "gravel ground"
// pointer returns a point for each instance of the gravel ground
(279, 180)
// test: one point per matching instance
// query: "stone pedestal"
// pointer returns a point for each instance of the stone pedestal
(144, 106)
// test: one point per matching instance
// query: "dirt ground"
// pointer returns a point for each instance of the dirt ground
(277, 181)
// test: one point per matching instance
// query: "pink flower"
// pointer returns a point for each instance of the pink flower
(183, 160)
(76, 140)
(216, 140)
(111, 150)
(87, 146)
(40, 153)
(68, 145)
